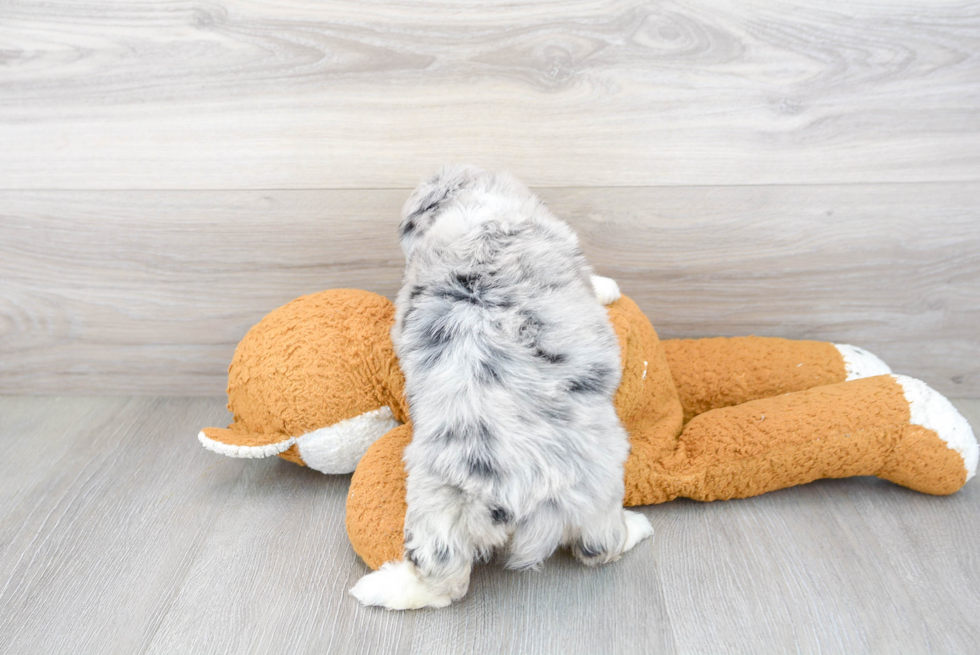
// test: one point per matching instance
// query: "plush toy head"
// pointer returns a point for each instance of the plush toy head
(315, 382)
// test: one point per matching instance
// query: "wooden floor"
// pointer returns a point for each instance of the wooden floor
(119, 534)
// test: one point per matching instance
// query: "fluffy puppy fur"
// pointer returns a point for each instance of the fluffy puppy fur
(510, 368)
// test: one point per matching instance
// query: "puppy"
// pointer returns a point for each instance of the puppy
(510, 368)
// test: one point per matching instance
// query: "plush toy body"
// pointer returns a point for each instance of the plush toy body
(317, 382)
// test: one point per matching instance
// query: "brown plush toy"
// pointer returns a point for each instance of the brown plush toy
(317, 383)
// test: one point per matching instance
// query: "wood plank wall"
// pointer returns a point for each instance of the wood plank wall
(170, 172)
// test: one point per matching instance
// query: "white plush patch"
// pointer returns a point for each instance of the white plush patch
(638, 528)
(606, 289)
(339, 447)
(397, 586)
(932, 410)
(859, 363)
(255, 452)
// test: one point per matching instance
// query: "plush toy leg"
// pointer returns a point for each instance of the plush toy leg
(376, 500)
(894, 427)
(723, 372)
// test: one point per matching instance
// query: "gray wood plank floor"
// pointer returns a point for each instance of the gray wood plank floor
(118, 534)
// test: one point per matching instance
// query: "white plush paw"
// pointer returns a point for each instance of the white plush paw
(339, 447)
(932, 410)
(859, 363)
(606, 289)
(638, 528)
(397, 586)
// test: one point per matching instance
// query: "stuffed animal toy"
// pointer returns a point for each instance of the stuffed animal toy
(317, 382)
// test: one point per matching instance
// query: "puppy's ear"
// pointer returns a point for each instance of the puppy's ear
(422, 206)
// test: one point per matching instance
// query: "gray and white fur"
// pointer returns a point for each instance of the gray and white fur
(510, 366)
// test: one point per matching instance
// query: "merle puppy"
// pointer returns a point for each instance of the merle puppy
(510, 368)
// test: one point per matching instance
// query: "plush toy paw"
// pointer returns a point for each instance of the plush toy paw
(606, 289)
(933, 411)
(638, 528)
(397, 586)
(338, 448)
(859, 363)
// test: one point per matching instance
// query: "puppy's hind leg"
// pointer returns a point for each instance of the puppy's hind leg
(441, 545)
(398, 586)
(610, 534)
(638, 528)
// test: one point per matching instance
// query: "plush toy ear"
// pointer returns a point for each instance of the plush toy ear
(236, 444)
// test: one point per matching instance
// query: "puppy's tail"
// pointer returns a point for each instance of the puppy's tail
(535, 539)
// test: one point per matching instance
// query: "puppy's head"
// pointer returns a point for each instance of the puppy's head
(429, 199)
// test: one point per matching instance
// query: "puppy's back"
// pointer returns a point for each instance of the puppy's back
(510, 362)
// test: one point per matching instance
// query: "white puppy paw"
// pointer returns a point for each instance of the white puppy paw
(397, 586)
(606, 289)
(638, 528)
